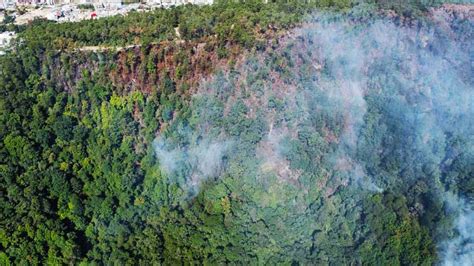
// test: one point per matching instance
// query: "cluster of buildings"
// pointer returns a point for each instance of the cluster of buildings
(25, 11)
(5, 4)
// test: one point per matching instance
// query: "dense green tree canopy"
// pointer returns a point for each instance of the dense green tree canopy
(223, 146)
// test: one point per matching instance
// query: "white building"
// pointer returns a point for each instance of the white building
(5, 40)
(4, 4)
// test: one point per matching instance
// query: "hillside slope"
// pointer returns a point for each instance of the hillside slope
(280, 133)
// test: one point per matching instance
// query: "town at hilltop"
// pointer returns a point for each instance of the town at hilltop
(25, 11)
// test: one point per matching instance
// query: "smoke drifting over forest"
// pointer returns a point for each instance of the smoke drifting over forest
(197, 161)
(372, 105)
(460, 249)
(244, 132)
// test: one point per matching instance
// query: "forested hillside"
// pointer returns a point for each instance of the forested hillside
(290, 132)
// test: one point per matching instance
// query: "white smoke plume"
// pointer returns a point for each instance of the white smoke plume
(195, 162)
(460, 249)
(418, 79)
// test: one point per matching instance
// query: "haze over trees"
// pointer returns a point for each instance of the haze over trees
(292, 132)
